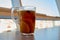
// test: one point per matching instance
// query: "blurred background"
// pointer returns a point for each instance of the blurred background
(46, 7)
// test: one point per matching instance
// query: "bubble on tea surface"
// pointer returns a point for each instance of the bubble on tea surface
(28, 11)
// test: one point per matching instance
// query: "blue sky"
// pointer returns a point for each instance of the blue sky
(47, 7)
(5, 3)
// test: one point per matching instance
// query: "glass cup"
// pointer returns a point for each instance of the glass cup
(25, 19)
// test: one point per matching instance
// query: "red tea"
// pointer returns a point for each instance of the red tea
(27, 21)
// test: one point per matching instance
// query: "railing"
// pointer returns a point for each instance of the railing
(6, 13)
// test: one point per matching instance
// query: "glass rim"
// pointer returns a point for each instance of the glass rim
(24, 7)
(32, 8)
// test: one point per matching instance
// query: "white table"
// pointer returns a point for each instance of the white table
(40, 34)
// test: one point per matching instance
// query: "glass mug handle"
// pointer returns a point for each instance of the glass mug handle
(12, 15)
(15, 19)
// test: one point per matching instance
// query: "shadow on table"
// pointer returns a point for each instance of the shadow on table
(25, 37)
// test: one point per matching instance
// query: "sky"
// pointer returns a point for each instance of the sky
(5, 3)
(47, 7)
